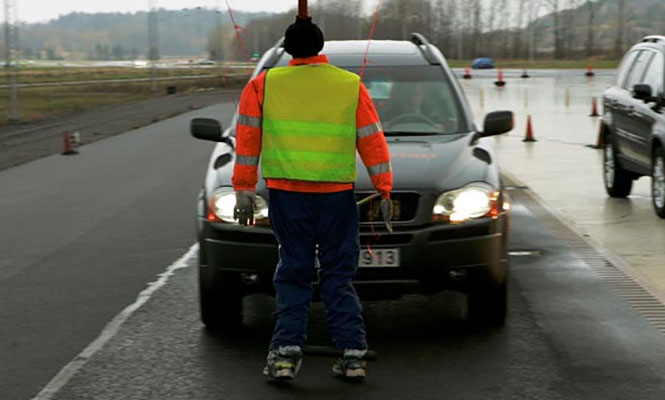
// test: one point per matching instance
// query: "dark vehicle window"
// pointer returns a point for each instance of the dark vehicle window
(655, 74)
(637, 72)
(626, 66)
(414, 100)
(417, 99)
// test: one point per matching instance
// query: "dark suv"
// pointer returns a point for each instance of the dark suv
(451, 212)
(633, 126)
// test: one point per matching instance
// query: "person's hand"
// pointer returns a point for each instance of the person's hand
(387, 213)
(244, 209)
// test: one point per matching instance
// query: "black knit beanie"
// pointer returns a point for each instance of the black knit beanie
(303, 39)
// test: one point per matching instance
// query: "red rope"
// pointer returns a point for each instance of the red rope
(374, 234)
(237, 28)
(369, 39)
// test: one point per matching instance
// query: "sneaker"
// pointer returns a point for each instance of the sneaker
(283, 363)
(351, 365)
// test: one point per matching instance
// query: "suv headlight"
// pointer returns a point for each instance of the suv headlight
(223, 202)
(475, 200)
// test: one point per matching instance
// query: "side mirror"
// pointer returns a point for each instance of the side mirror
(642, 92)
(207, 129)
(497, 123)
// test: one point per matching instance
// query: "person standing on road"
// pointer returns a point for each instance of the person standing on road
(304, 123)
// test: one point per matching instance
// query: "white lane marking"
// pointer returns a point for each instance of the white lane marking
(112, 328)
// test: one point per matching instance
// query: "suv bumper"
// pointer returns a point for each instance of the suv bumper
(432, 258)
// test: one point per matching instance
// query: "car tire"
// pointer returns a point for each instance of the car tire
(220, 300)
(618, 181)
(488, 305)
(658, 181)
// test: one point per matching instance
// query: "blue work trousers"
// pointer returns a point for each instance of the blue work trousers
(307, 225)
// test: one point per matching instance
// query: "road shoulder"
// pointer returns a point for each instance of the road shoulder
(27, 142)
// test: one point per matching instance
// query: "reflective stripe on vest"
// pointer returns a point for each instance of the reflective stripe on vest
(309, 124)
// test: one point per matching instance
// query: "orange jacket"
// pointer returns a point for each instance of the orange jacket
(370, 142)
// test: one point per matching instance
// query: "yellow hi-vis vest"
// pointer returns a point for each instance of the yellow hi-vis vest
(309, 124)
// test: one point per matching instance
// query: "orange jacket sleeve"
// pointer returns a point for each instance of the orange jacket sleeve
(372, 144)
(248, 135)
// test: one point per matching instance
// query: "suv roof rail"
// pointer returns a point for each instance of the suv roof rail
(425, 47)
(654, 39)
(419, 39)
(277, 51)
(280, 42)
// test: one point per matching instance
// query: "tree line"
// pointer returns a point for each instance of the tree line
(463, 29)
(466, 29)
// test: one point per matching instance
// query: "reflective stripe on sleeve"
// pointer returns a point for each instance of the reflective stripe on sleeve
(379, 169)
(247, 160)
(369, 130)
(254, 122)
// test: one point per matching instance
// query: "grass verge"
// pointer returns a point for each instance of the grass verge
(42, 102)
(542, 64)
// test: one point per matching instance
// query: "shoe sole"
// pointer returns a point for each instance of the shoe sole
(352, 374)
(283, 375)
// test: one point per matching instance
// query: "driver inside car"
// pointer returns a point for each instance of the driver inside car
(412, 104)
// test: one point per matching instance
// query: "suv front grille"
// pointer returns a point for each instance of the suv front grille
(406, 207)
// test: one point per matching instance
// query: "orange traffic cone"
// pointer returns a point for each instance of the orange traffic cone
(589, 71)
(467, 73)
(68, 148)
(500, 82)
(529, 131)
(525, 74)
(594, 108)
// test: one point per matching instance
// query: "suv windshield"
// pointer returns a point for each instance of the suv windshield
(414, 100)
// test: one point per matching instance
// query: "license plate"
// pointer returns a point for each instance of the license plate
(379, 258)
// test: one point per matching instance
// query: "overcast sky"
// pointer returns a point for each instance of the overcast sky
(42, 10)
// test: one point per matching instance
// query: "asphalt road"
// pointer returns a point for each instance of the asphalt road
(82, 236)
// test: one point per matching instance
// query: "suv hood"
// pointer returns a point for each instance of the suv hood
(419, 163)
(436, 163)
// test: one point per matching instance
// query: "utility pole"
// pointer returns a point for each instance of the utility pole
(153, 43)
(11, 59)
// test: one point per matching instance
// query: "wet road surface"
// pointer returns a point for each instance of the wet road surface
(81, 236)
(568, 337)
(565, 172)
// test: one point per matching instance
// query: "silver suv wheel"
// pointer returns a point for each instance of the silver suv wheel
(658, 181)
(609, 166)
(618, 181)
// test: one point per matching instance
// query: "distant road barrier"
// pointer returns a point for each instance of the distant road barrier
(129, 80)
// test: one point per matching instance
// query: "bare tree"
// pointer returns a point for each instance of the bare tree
(534, 8)
(591, 7)
(519, 37)
(441, 25)
(555, 8)
(476, 10)
(505, 16)
(455, 11)
(618, 44)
